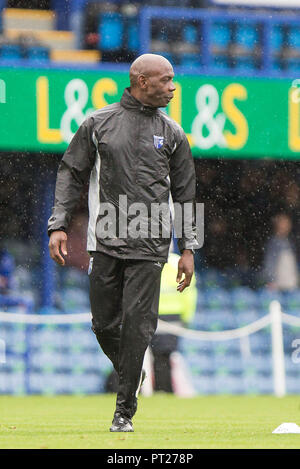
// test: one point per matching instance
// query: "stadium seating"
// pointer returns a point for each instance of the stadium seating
(225, 42)
(239, 366)
(67, 358)
(291, 302)
(32, 34)
(11, 52)
(53, 358)
(111, 30)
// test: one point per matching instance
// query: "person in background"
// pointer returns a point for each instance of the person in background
(175, 309)
(280, 268)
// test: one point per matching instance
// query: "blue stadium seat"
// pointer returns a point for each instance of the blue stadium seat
(201, 321)
(247, 36)
(258, 364)
(61, 383)
(204, 384)
(293, 65)
(190, 60)
(229, 384)
(38, 53)
(243, 299)
(111, 30)
(132, 34)
(260, 345)
(14, 335)
(10, 52)
(292, 385)
(212, 278)
(276, 38)
(217, 298)
(220, 62)
(229, 363)
(74, 299)
(200, 363)
(233, 346)
(200, 300)
(258, 384)
(225, 347)
(190, 34)
(277, 65)
(246, 64)
(291, 302)
(220, 34)
(12, 383)
(294, 37)
(291, 368)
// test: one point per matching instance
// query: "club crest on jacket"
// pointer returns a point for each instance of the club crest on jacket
(158, 141)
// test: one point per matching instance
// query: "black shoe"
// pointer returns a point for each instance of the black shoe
(121, 423)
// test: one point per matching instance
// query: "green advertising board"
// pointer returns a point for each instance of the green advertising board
(232, 117)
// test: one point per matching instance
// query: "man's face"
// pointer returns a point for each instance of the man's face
(283, 226)
(159, 87)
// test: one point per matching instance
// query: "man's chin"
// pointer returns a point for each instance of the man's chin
(164, 103)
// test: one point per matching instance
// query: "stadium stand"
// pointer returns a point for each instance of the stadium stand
(214, 38)
(51, 358)
(32, 34)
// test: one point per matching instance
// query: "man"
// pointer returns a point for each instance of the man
(134, 155)
(280, 264)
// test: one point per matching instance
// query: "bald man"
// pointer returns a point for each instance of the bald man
(134, 157)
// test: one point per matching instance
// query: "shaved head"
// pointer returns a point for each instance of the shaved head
(151, 80)
(147, 65)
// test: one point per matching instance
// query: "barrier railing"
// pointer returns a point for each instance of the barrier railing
(275, 318)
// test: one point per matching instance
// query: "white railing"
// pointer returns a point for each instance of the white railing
(275, 318)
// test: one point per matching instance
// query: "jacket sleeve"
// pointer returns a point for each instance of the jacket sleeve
(183, 191)
(73, 172)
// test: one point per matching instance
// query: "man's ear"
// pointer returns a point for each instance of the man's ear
(142, 80)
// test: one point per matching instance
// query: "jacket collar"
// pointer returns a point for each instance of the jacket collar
(131, 103)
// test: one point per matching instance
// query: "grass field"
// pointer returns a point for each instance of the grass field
(162, 421)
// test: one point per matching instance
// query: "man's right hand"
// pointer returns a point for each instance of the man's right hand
(58, 246)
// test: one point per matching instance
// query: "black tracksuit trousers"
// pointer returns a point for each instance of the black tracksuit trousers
(124, 295)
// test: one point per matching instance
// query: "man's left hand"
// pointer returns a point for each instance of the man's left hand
(186, 267)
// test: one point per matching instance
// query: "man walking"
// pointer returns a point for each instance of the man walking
(134, 156)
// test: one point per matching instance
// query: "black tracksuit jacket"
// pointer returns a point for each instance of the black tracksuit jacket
(125, 149)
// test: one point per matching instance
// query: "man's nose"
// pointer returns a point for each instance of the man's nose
(172, 87)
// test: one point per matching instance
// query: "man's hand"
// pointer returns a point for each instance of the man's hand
(186, 267)
(58, 246)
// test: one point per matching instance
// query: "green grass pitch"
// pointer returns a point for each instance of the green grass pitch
(162, 422)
